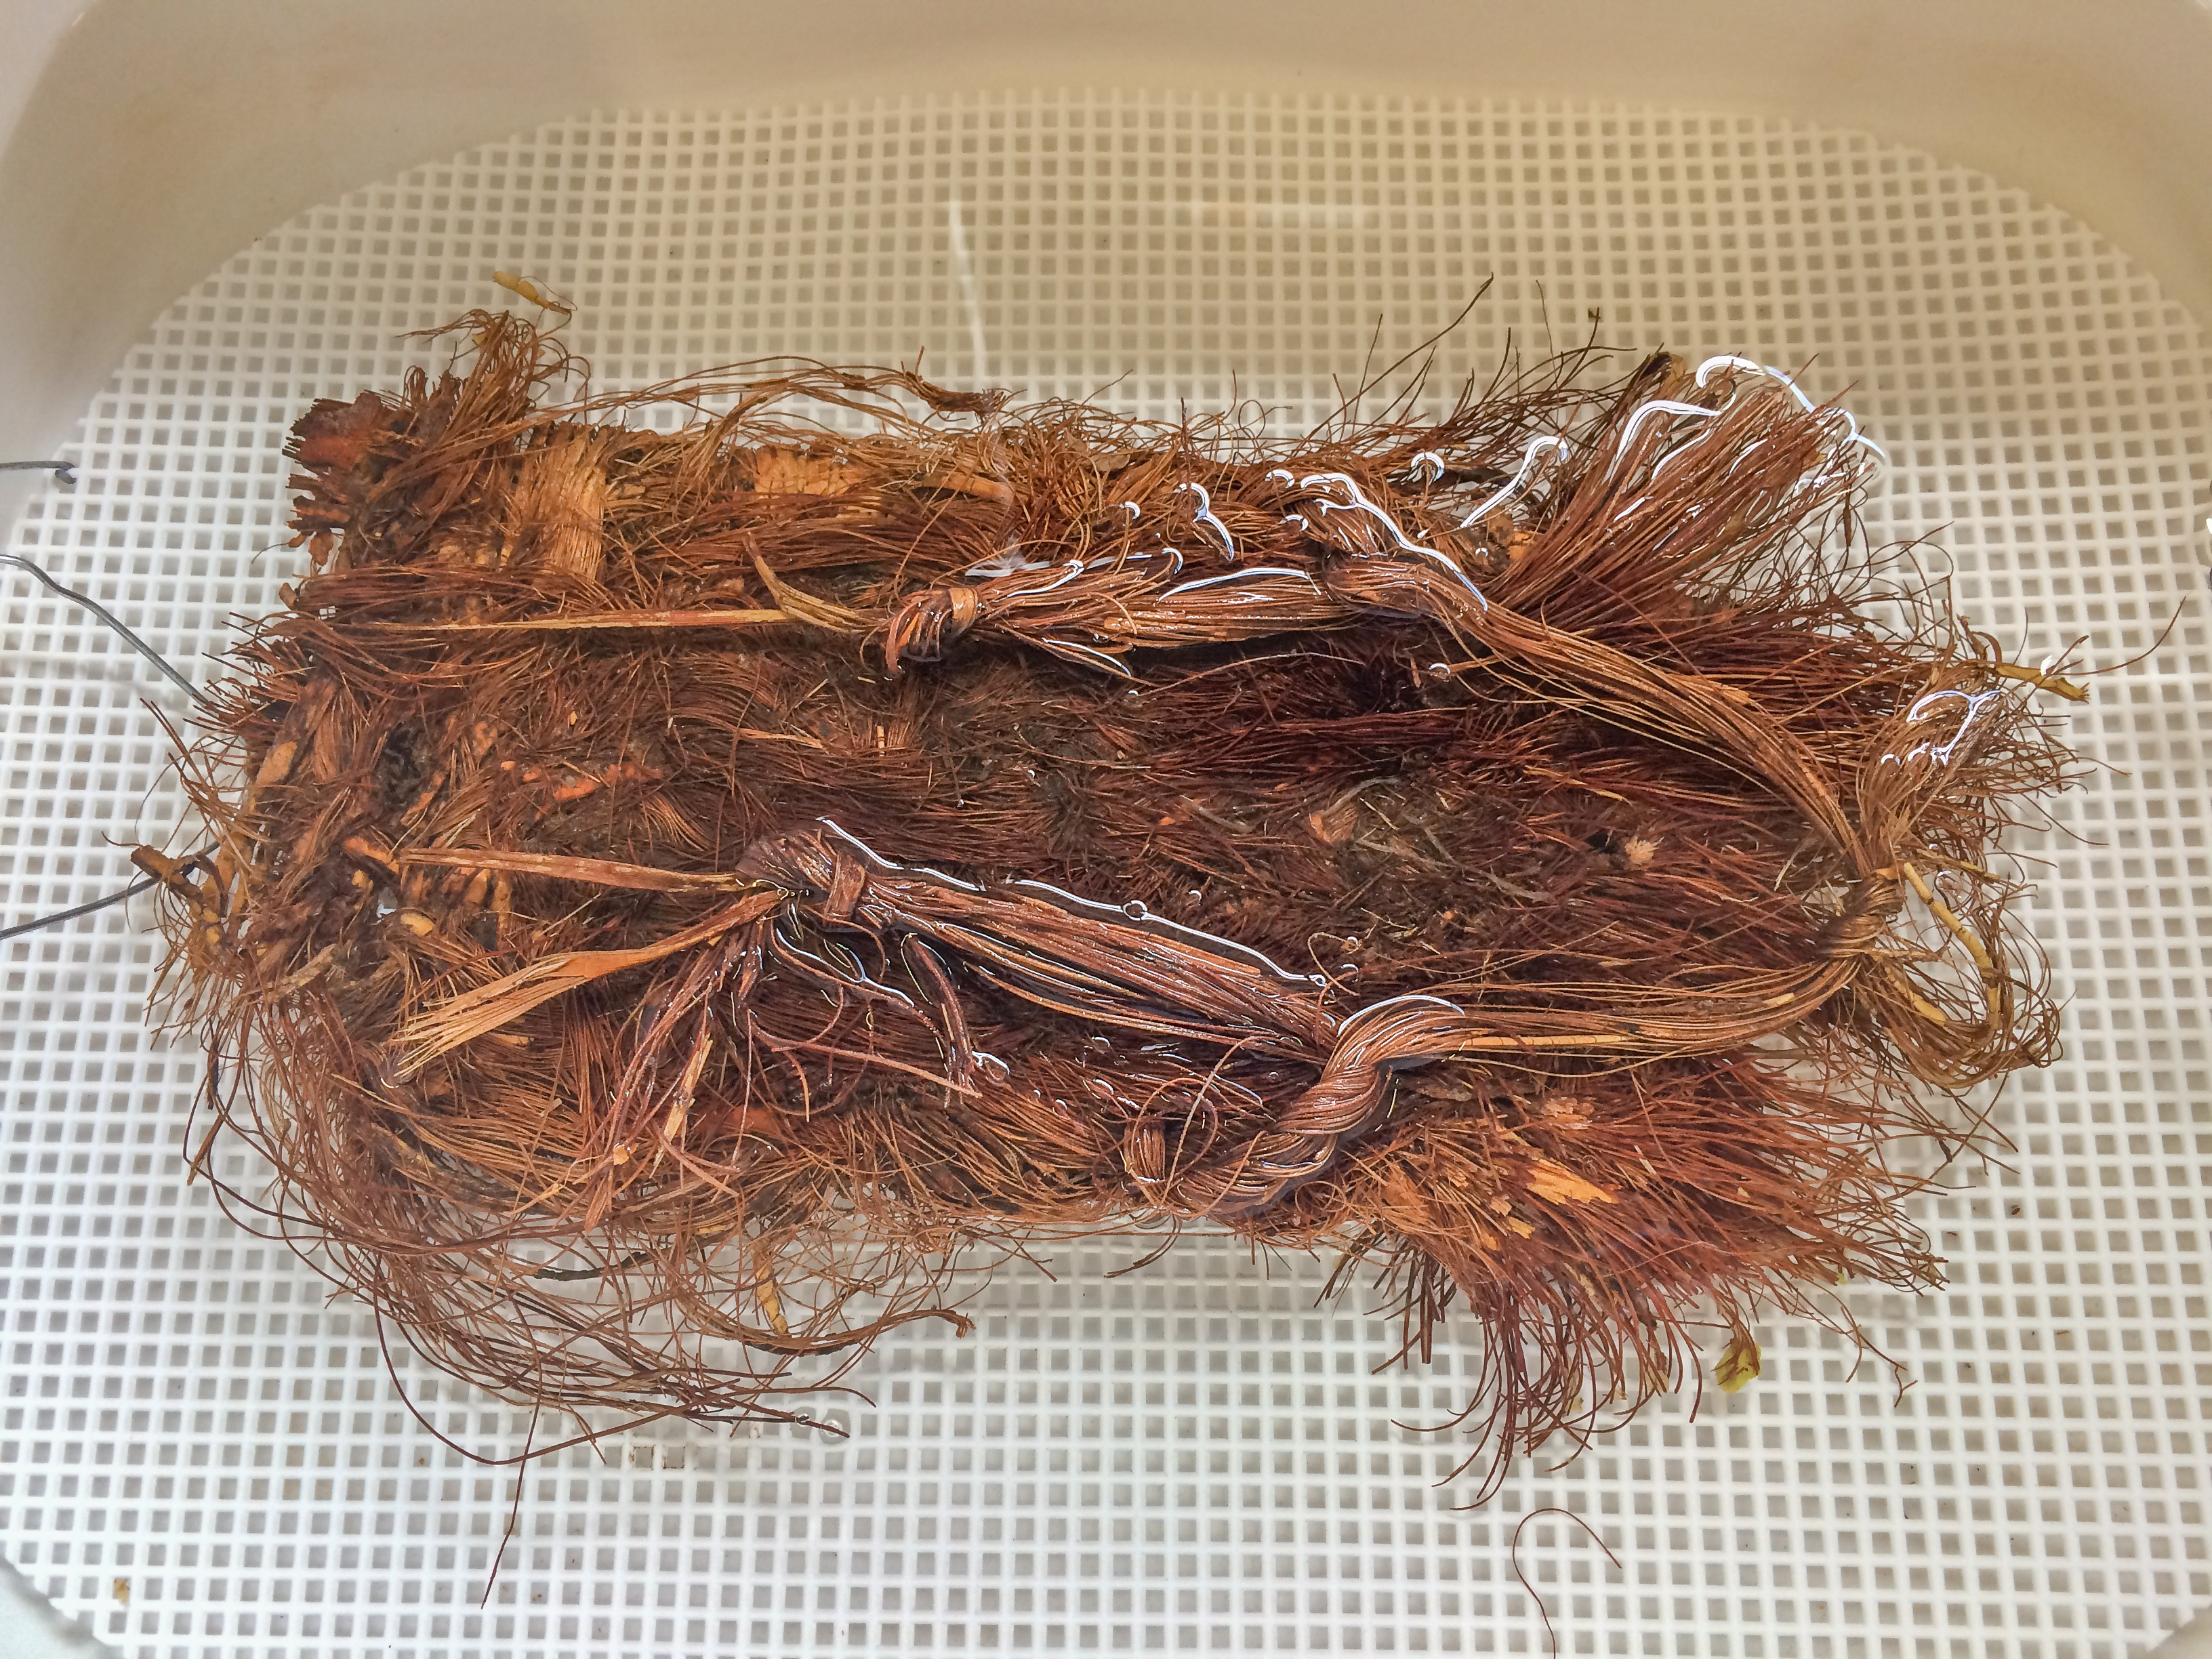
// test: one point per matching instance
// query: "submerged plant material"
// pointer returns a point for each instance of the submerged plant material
(680, 899)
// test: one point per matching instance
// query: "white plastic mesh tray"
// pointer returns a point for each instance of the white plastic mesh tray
(200, 1457)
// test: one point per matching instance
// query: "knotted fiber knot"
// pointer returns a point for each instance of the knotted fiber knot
(1858, 931)
(926, 623)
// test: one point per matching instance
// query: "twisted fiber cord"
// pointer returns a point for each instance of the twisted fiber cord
(1143, 979)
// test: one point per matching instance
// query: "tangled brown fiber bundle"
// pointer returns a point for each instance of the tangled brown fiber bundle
(679, 899)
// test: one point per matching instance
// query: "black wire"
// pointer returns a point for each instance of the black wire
(33, 926)
(108, 617)
(132, 891)
(63, 471)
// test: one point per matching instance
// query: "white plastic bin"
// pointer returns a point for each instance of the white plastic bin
(1990, 220)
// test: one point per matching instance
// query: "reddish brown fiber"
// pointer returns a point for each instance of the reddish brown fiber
(682, 899)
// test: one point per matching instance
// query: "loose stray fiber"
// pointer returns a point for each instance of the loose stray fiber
(682, 904)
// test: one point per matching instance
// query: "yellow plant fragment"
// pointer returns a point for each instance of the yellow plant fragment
(1558, 1185)
(536, 293)
(1738, 1364)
